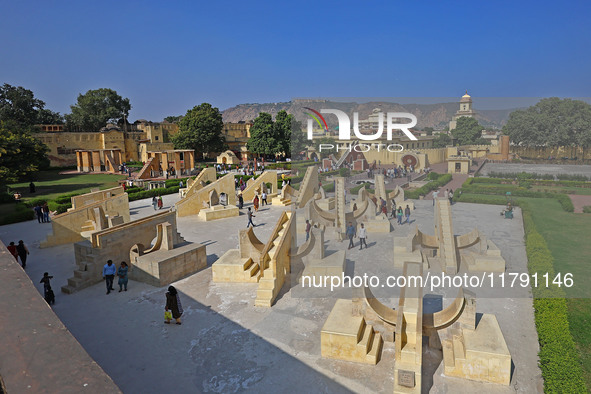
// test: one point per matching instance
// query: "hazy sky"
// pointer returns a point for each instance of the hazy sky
(169, 56)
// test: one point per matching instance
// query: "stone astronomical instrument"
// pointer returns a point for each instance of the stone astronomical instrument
(409, 160)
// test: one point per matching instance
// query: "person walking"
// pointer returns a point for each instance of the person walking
(160, 203)
(22, 251)
(240, 201)
(435, 195)
(362, 237)
(393, 214)
(399, 214)
(155, 202)
(12, 249)
(264, 198)
(122, 274)
(308, 228)
(407, 214)
(47, 292)
(109, 271)
(451, 196)
(173, 304)
(255, 203)
(350, 233)
(250, 216)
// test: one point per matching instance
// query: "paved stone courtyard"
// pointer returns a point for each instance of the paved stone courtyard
(227, 345)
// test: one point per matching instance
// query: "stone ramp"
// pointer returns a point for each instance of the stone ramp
(254, 186)
(445, 234)
(193, 202)
(275, 261)
(145, 171)
(308, 187)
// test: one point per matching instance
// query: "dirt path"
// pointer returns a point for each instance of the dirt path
(579, 201)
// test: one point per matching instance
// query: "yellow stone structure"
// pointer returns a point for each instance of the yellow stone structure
(348, 337)
(166, 262)
(206, 176)
(268, 263)
(308, 187)
(90, 212)
(257, 186)
(227, 157)
(194, 201)
(115, 243)
(182, 161)
(465, 110)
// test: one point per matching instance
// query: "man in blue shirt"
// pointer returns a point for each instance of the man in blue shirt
(350, 233)
(109, 271)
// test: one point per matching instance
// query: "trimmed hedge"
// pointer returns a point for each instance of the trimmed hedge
(154, 192)
(559, 358)
(21, 213)
(587, 209)
(442, 179)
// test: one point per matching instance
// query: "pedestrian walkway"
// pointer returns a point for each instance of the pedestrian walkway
(456, 182)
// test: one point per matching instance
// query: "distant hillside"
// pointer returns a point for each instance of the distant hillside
(428, 115)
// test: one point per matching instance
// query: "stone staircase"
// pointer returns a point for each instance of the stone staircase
(350, 338)
(84, 269)
(274, 269)
(304, 186)
(145, 171)
(341, 224)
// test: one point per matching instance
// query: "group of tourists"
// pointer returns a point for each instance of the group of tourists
(42, 213)
(173, 307)
(447, 193)
(19, 251)
(351, 233)
(157, 202)
(109, 272)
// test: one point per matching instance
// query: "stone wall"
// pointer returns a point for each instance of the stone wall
(194, 202)
(67, 227)
(39, 354)
(92, 197)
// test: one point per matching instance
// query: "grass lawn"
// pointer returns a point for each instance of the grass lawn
(50, 184)
(567, 236)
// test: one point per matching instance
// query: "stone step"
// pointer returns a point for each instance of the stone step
(375, 352)
(81, 274)
(254, 270)
(364, 345)
(75, 282)
(247, 264)
(266, 284)
(68, 289)
(273, 251)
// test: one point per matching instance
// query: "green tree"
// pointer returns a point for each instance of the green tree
(47, 116)
(441, 141)
(467, 131)
(19, 109)
(291, 139)
(325, 150)
(95, 108)
(551, 122)
(428, 130)
(173, 119)
(265, 139)
(201, 130)
(20, 155)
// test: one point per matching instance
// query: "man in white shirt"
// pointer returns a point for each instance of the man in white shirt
(362, 237)
(435, 194)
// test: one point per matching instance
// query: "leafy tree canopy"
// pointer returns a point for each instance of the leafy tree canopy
(201, 130)
(173, 119)
(551, 122)
(441, 141)
(467, 131)
(20, 155)
(95, 108)
(282, 136)
(21, 111)
(325, 151)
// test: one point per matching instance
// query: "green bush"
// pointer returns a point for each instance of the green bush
(559, 359)
(329, 187)
(154, 192)
(21, 213)
(572, 177)
(442, 179)
(565, 202)
(587, 209)
(355, 190)
(344, 172)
